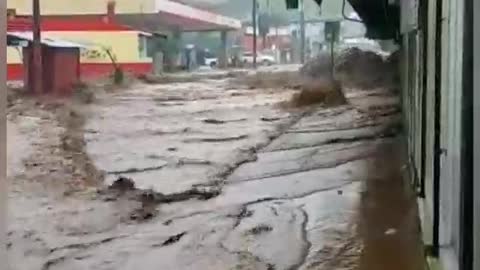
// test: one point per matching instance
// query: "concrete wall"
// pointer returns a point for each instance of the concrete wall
(124, 45)
(451, 128)
(476, 76)
(451, 83)
(430, 70)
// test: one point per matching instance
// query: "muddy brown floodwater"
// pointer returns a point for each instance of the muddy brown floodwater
(213, 176)
(388, 216)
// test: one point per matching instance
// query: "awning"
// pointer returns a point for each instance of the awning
(14, 37)
(172, 15)
(154, 16)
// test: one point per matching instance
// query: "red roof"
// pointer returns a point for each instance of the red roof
(21, 24)
(82, 24)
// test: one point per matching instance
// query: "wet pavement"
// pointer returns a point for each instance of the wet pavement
(388, 216)
(291, 185)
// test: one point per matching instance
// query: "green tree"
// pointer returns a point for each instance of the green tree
(264, 24)
(277, 20)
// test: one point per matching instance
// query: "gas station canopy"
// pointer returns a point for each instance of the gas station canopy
(173, 15)
(149, 15)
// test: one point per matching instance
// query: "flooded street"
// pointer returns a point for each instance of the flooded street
(222, 177)
(182, 134)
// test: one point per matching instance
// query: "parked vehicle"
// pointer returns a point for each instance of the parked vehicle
(262, 59)
(210, 59)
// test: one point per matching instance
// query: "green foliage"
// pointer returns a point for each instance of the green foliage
(277, 20)
(264, 24)
(118, 76)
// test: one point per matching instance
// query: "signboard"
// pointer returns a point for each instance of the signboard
(332, 31)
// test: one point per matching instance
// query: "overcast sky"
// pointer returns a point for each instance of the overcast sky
(241, 9)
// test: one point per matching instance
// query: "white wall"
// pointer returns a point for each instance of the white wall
(451, 129)
(476, 117)
(451, 123)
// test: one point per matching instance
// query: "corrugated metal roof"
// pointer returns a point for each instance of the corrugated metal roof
(58, 43)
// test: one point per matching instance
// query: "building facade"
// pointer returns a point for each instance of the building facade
(437, 52)
(114, 30)
(128, 46)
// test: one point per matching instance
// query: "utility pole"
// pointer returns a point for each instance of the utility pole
(302, 32)
(36, 80)
(254, 23)
(332, 57)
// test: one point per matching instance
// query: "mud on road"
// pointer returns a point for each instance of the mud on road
(213, 176)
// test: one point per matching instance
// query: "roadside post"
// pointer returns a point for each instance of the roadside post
(332, 30)
(37, 82)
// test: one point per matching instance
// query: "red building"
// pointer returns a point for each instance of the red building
(61, 63)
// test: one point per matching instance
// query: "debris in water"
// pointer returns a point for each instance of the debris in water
(204, 193)
(269, 80)
(366, 69)
(321, 91)
(173, 239)
(270, 119)
(318, 66)
(123, 184)
(260, 229)
(83, 93)
(143, 214)
(187, 161)
(148, 209)
(390, 231)
(356, 68)
(244, 213)
(270, 266)
(213, 121)
(213, 140)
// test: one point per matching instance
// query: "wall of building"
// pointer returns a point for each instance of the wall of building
(123, 42)
(75, 7)
(476, 173)
(438, 95)
(124, 46)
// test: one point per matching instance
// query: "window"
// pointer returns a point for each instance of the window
(11, 13)
(142, 46)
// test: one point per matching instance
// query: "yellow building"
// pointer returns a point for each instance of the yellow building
(83, 7)
(127, 45)
(101, 25)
